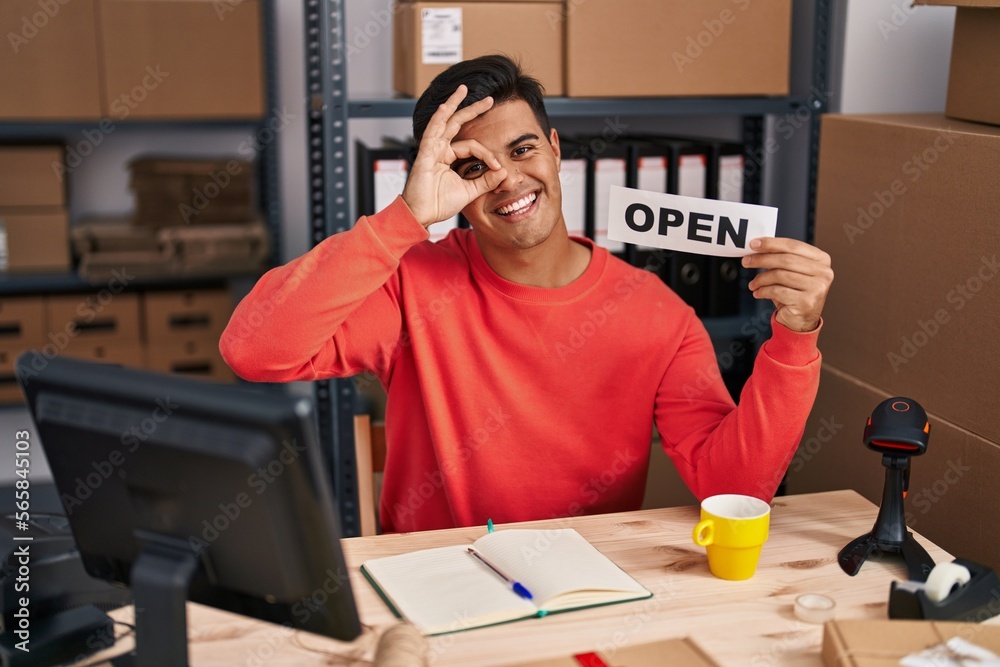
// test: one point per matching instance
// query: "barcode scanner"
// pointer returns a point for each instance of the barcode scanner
(898, 429)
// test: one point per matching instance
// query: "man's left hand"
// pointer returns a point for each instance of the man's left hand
(797, 280)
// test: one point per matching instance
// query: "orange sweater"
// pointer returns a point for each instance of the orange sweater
(517, 402)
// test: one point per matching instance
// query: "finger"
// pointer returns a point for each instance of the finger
(792, 262)
(782, 277)
(769, 244)
(460, 118)
(470, 148)
(439, 120)
(489, 181)
(779, 294)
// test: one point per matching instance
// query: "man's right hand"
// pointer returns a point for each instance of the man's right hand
(434, 192)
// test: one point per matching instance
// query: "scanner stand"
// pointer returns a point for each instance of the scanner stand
(889, 534)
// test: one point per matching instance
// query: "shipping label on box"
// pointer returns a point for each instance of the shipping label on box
(441, 35)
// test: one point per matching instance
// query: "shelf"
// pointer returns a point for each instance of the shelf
(39, 283)
(36, 129)
(402, 107)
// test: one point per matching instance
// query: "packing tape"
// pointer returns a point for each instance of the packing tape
(814, 608)
(943, 578)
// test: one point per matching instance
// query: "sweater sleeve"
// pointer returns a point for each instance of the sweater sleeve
(720, 448)
(333, 312)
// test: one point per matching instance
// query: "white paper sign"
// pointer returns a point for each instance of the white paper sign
(687, 224)
(441, 35)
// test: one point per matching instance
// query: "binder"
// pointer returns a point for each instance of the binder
(725, 274)
(688, 272)
(651, 162)
(381, 177)
(573, 179)
(607, 165)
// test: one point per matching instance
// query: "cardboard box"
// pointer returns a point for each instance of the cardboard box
(655, 654)
(22, 320)
(952, 498)
(53, 71)
(680, 48)
(130, 353)
(429, 37)
(975, 60)
(906, 209)
(182, 315)
(196, 357)
(868, 643)
(28, 176)
(104, 317)
(182, 59)
(34, 239)
(10, 390)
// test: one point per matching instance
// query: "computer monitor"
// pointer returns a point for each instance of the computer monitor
(184, 489)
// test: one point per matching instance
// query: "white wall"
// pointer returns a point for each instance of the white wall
(895, 57)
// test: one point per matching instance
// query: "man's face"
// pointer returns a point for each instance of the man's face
(523, 210)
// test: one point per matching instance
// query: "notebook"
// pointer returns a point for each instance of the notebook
(448, 589)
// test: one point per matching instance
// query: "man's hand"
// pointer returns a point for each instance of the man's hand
(434, 192)
(797, 280)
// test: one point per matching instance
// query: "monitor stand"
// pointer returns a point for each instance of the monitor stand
(160, 579)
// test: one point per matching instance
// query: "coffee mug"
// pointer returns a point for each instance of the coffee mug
(733, 528)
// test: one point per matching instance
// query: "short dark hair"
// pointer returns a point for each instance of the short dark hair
(495, 75)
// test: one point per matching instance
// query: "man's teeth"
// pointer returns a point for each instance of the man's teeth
(518, 205)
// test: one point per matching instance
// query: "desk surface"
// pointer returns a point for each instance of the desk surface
(736, 623)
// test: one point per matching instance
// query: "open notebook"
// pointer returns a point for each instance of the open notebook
(448, 589)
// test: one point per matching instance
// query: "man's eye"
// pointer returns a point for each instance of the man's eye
(521, 150)
(473, 170)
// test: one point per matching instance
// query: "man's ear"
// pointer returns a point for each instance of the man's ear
(554, 142)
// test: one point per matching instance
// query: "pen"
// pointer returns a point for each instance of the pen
(518, 588)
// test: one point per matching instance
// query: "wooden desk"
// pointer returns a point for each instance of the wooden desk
(736, 623)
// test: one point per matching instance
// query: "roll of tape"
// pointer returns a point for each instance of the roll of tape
(943, 578)
(814, 608)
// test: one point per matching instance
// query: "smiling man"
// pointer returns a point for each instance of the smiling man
(487, 415)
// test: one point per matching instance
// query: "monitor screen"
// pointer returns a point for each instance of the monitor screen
(220, 484)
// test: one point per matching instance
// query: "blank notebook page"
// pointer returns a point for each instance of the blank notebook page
(443, 589)
(553, 562)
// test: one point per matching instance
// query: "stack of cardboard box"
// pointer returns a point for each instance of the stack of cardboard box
(192, 218)
(173, 331)
(600, 48)
(33, 219)
(907, 207)
(973, 93)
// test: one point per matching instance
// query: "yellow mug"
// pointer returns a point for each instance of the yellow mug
(733, 528)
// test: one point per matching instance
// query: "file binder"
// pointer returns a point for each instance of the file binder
(725, 274)
(381, 177)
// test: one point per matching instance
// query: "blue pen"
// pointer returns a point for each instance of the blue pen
(518, 588)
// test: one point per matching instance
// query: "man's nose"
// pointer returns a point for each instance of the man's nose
(513, 178)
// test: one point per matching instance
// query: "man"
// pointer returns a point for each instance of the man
(524, 367)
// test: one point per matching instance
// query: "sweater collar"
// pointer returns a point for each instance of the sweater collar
(589, 278)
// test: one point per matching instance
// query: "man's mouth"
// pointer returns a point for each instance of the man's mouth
(519, 206)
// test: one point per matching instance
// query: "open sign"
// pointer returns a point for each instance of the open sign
(687, 224)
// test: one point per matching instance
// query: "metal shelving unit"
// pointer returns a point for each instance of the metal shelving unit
(330, 111)
(267, 167)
